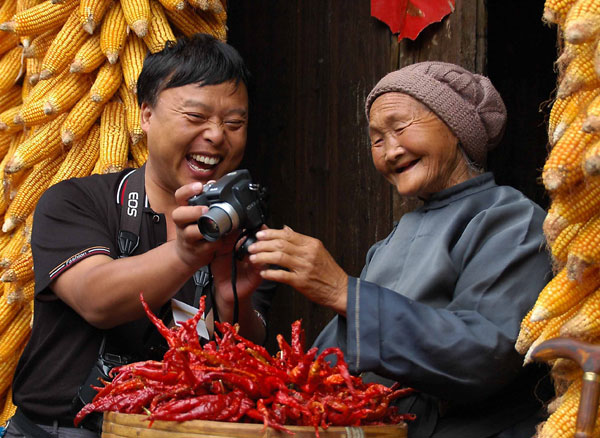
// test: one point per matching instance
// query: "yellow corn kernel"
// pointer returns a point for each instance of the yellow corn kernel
(64, 47)
(190, 21)
(139, 152)
(22, 293)
(561, 424)
(89, 57)
(132, 110)
(132, 61)
(30, 192)
(16, 334)
(591, 160)
(5, 141)
(8, 41)
(582, 22)
(7, 120)
(33, 66)
(44, 143)
(113, 32)
(114, 141)
(8, 311)
(17, 246)
(108, 80)
(592, 112)
(91, 13)
(7, 10)
(45, 103)
(11, 68)
(137, 15)
(532, 333)
(40, 44)
(563, 166)
(23, 5)
(11, 98)
(562, 293)
(67, 93)
(577, 205)
(159, 31)
(7, 370)
(564, 111)
(585, 249)
(41, 88)
(9, 408)
(173, 5)
(40, 18)
(81, 158)
(560, 247)
(580, 74)
(6, 186)
(586, 322)
(81, 118)
(21, 270)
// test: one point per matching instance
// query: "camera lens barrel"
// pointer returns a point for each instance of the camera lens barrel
(218, 221)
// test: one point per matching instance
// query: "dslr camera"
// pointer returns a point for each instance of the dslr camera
(234, 202)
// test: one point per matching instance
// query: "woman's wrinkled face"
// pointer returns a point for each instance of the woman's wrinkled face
(413, 148)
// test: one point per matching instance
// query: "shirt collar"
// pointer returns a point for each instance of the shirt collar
(459, 191)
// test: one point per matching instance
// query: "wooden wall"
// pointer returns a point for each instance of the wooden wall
(313, 63)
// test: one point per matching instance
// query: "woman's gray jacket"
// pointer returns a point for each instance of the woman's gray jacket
(439, 304)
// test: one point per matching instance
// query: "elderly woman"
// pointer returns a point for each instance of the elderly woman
(439, 303)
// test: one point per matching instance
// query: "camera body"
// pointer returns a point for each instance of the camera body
(234, 202)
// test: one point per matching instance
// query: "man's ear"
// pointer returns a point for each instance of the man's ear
(145, 115)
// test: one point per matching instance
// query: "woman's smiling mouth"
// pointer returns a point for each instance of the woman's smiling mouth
(407, 166)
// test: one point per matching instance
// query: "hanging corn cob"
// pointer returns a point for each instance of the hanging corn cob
(68, 75)
(569, 304)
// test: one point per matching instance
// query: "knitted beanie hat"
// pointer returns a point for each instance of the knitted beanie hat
(468, 103)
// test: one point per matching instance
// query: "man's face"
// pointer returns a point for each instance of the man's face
(195, 133)
(412, 147)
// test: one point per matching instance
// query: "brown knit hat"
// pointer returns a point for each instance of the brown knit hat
(468, 103)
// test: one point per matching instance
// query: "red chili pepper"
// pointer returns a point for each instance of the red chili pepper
(206, 407)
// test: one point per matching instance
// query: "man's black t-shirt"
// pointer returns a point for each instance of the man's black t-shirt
(73, 220)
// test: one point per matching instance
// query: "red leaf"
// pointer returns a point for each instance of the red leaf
(408, 18)
(391, 12)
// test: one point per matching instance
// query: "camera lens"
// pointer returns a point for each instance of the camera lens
(217, 221)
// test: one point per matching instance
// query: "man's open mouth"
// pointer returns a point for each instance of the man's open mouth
(407, 166)
(203, 162)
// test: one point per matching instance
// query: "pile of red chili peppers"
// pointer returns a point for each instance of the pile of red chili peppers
(232, 379)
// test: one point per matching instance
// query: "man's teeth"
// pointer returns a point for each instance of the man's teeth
(211, 161)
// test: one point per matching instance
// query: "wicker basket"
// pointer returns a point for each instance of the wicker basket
(126, 425)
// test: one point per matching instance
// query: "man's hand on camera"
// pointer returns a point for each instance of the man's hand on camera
(192, 248)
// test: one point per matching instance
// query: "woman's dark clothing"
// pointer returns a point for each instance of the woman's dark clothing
(439, 304)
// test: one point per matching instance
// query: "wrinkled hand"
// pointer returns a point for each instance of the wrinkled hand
(308, 266)
(191, 247)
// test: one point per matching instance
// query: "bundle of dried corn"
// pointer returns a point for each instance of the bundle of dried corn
(68, 108)
(570, 304)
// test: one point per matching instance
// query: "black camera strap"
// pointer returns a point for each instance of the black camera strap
(131, 195)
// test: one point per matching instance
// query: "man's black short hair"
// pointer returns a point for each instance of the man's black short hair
(200, 59)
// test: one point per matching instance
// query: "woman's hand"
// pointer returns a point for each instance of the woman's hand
(308, 266)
